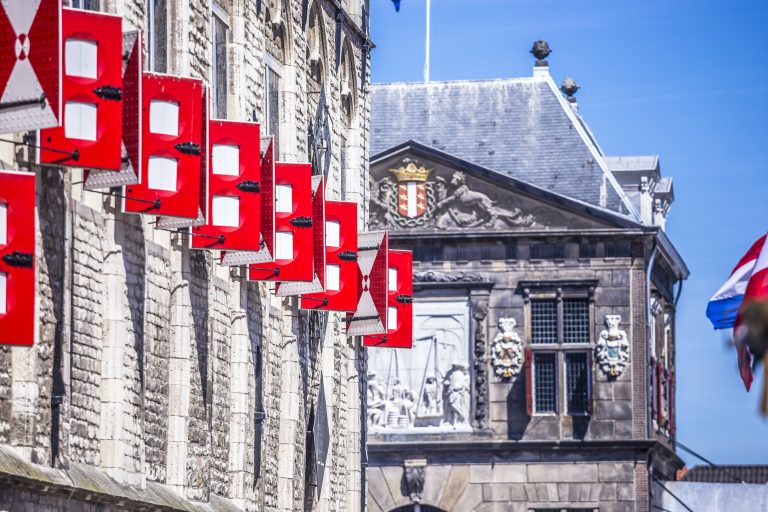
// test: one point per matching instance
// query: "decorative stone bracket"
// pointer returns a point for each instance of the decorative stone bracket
(414, 473)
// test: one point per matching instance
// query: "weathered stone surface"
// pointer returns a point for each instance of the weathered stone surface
(454, 487)
(562, 472)
(615, 471)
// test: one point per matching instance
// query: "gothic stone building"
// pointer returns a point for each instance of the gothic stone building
(160, 380)
(542, 372)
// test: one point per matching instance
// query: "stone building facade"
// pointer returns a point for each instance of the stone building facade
(160, 380)
(542, 373)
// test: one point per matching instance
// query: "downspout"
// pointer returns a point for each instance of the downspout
(362, 376)
(649, 336)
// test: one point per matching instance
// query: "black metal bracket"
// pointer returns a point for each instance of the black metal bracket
(274, 271)
(24, 103)
(347, 256)
(109, 92)
(249, 186)
(302, 222)
(369, 248)
(18, 259)
(376, 337)
(259, 416)
(323, 301)
(26, 140)
(404, 299)
(219, 238)
(360, 318)
(188, 148)
(154, 202)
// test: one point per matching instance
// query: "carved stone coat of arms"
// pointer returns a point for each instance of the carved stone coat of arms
(612, 347)
(507, 355)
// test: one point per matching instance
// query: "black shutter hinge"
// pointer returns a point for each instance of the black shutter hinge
(18, 259)
(109, 92)
(348, 256)
(188, 148)
(302, 222)
(259, 416)
(249, 186)
(404, 299)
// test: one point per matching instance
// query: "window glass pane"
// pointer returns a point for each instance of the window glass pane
(576, 377)
(3, 284)
(164, 117)
(226, 211)
(543, 321)
(545, 382)
(162, 173)
(575, 321)
(80, 120)
(80, 58)
(3, 223)
(226, 160)
(332, 234)
(283, 245)
(219, 65)
(273, 104)
(283, 198)
(343, 167)
(157, 30)
(332, 277)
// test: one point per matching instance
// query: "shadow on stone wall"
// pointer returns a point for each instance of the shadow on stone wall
(517, 417)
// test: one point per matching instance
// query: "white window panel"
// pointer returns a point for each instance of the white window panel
(164, 117)
(283, 245)
(332, 234)
(80, 58)
(162, 173)
(80, 120)
(3, 292)
(226, 211)
(3, 223)
(332, 278)
(392, 280)
(283, 198)
(226, 160)
(391, 318)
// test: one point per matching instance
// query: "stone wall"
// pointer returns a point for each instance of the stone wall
(168, 380)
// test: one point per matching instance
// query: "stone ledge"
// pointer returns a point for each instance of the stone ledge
(93, 485)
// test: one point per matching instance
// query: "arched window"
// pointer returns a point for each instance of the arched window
(316, 54)
(347, 83)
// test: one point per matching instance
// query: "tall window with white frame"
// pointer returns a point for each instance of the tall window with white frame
(560, 353)
(272, 101)
(220, 37)
(157, 34)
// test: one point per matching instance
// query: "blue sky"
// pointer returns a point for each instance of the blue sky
(684, 79)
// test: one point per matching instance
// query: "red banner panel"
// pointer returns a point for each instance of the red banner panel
(17, 258)
(370, 316)
(341, 281)
(90, 134)
(292, 250)
(130, 170)
(234, 201)
(30, 65)
(317, 249)
(399, 303)
(173, 149)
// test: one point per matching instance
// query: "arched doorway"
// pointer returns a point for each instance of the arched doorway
(417, 507)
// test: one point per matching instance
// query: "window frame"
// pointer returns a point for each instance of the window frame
(152, 46)
(276, 67)
(218, 13)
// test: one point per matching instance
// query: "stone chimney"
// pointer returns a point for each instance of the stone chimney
(541, 51)
(569, 88)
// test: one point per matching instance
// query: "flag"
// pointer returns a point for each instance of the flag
(748, 281)
(397, 5)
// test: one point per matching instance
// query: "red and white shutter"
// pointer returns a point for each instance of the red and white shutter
(317, 283)
(341, 260)
(266, 215)
(399, 303)
(292, 250)
(130, 170)
(234, 171)
(17, 258)
(173, 149)
(90, 134)
(30, 65)
(370, 316)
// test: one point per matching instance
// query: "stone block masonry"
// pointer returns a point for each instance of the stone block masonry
(160, 380)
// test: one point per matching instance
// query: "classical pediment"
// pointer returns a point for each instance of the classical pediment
(417, 188)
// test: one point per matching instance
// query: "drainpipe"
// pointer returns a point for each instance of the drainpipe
(362, 372)
(649, 336)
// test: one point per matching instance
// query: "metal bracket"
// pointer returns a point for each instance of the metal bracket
(323, 301)
(109, 92)
(24, 103)
(188, 148)
(302, 222)
(360, 318)
(404, 299)
(155, 202)
(18, 259)
(249, 186)
(259, 416)
(219, 239)
(348, 256)
(369, 248)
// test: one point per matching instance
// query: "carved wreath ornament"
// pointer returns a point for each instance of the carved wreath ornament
(612, 347)
(507, 352)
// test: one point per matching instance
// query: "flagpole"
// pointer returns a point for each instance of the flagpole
(426, 57)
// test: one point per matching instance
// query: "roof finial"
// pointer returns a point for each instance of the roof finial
(569, 88)
(541, 51)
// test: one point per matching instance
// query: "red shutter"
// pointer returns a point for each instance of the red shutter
(233, 199)
(292, 251)
(341, 295)
(590, 384)
(30, 64)
(659, 417)
(370, 316)
(17, 258)
(92, 83)
(528, 381)
(400, 303)
(173, 149)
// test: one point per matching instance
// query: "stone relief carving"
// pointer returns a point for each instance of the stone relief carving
(414, 472)
(433, 276)
(479, 314)
(612, 347)
(507, 351)
(456, 396)
(412, 200)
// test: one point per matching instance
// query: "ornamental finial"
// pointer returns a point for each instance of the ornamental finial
(569, 88)
(541, 51)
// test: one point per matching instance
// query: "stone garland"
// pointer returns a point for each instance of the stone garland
(480, 313)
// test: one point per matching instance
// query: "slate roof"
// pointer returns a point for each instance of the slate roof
(751, 474)
(520, 127)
